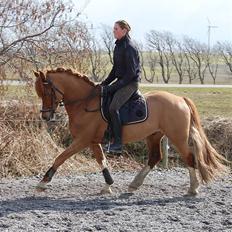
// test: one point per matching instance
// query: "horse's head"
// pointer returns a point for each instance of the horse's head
(51, 96)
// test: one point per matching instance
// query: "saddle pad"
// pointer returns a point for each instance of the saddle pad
(133, 111)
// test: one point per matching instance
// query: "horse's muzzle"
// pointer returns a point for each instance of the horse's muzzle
(47, 116)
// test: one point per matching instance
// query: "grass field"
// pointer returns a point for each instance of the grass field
(209, 101)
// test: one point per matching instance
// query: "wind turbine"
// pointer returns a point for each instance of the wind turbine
(210, 26)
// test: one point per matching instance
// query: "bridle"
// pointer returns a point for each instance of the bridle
(62, 102)
(52, 95)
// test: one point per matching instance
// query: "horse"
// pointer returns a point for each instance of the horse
(169, 115)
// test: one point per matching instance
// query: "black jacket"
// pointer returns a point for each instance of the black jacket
(126, 67)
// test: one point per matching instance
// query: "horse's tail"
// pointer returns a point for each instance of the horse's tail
(210, 164)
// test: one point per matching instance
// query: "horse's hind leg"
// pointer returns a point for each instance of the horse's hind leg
(101, 160)
(154, 156)
(194, 183)
(187, 155)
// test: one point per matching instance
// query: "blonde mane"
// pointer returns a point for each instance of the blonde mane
(76, 74)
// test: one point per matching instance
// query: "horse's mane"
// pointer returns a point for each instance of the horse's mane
(70, 71)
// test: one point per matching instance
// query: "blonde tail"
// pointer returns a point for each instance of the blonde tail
(210, 164)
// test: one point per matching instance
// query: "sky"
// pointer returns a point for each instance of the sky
(181, 17)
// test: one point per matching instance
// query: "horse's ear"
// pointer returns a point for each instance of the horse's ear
(42, 76)
(36, 74)
(38, 84)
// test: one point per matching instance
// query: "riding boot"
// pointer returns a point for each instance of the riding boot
(116, 146)
(106, 137)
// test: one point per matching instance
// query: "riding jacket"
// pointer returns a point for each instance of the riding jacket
(126, 65)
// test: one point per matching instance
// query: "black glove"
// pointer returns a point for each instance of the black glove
(103, 83)
(105, 90)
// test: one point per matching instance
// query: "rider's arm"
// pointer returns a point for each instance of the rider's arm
(110, 78)
(132, 67)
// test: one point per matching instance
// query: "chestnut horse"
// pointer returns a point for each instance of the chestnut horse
(170, 115)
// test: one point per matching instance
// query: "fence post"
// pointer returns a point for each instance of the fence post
(165, 148)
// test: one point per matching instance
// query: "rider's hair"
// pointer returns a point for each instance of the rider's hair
(124, 25)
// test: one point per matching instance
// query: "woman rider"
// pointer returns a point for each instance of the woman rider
(125, 74)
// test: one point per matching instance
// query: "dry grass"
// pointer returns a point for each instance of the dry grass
(219, 132)
(28, 146)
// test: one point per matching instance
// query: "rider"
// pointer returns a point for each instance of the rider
(126, 71)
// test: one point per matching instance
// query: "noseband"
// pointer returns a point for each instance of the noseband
(62, 102)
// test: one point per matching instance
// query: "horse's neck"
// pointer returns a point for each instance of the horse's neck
(75, 89)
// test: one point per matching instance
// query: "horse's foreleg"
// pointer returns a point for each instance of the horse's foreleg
(75, 147)
(101, 160)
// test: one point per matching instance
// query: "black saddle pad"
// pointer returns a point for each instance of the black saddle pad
(133, 111)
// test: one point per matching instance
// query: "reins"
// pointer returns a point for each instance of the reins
(62, 102)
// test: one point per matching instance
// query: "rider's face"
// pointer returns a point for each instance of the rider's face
(118, 31)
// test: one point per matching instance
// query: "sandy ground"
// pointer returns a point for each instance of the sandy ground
(72, 203)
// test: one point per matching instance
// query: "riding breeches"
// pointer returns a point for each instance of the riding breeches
(122, 95)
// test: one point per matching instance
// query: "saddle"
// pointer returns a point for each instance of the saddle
(135, 110)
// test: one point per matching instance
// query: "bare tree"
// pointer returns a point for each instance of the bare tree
(213, 62)
(152, 62)
(225, 50)
(190, 67)
(37, 35)
(142, 60)
(22, 23)
(74, 45)
(156, 42)
(176, 51)
(96, 57)
(22, 20)
(108, 41)
(198, 53)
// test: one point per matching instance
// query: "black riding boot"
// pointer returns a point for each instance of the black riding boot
(116, 146)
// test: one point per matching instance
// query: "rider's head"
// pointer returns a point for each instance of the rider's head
(121, 28)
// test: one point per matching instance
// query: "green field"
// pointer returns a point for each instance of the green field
(223, 74)
(209, 101)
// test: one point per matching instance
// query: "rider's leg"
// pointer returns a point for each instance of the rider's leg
(121, 96)
(116, 146)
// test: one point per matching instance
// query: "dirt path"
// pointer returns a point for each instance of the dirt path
(72, 204)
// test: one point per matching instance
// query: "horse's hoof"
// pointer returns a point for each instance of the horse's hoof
(106, 191)
(192, 193)
(41, 187)
(132, 189)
